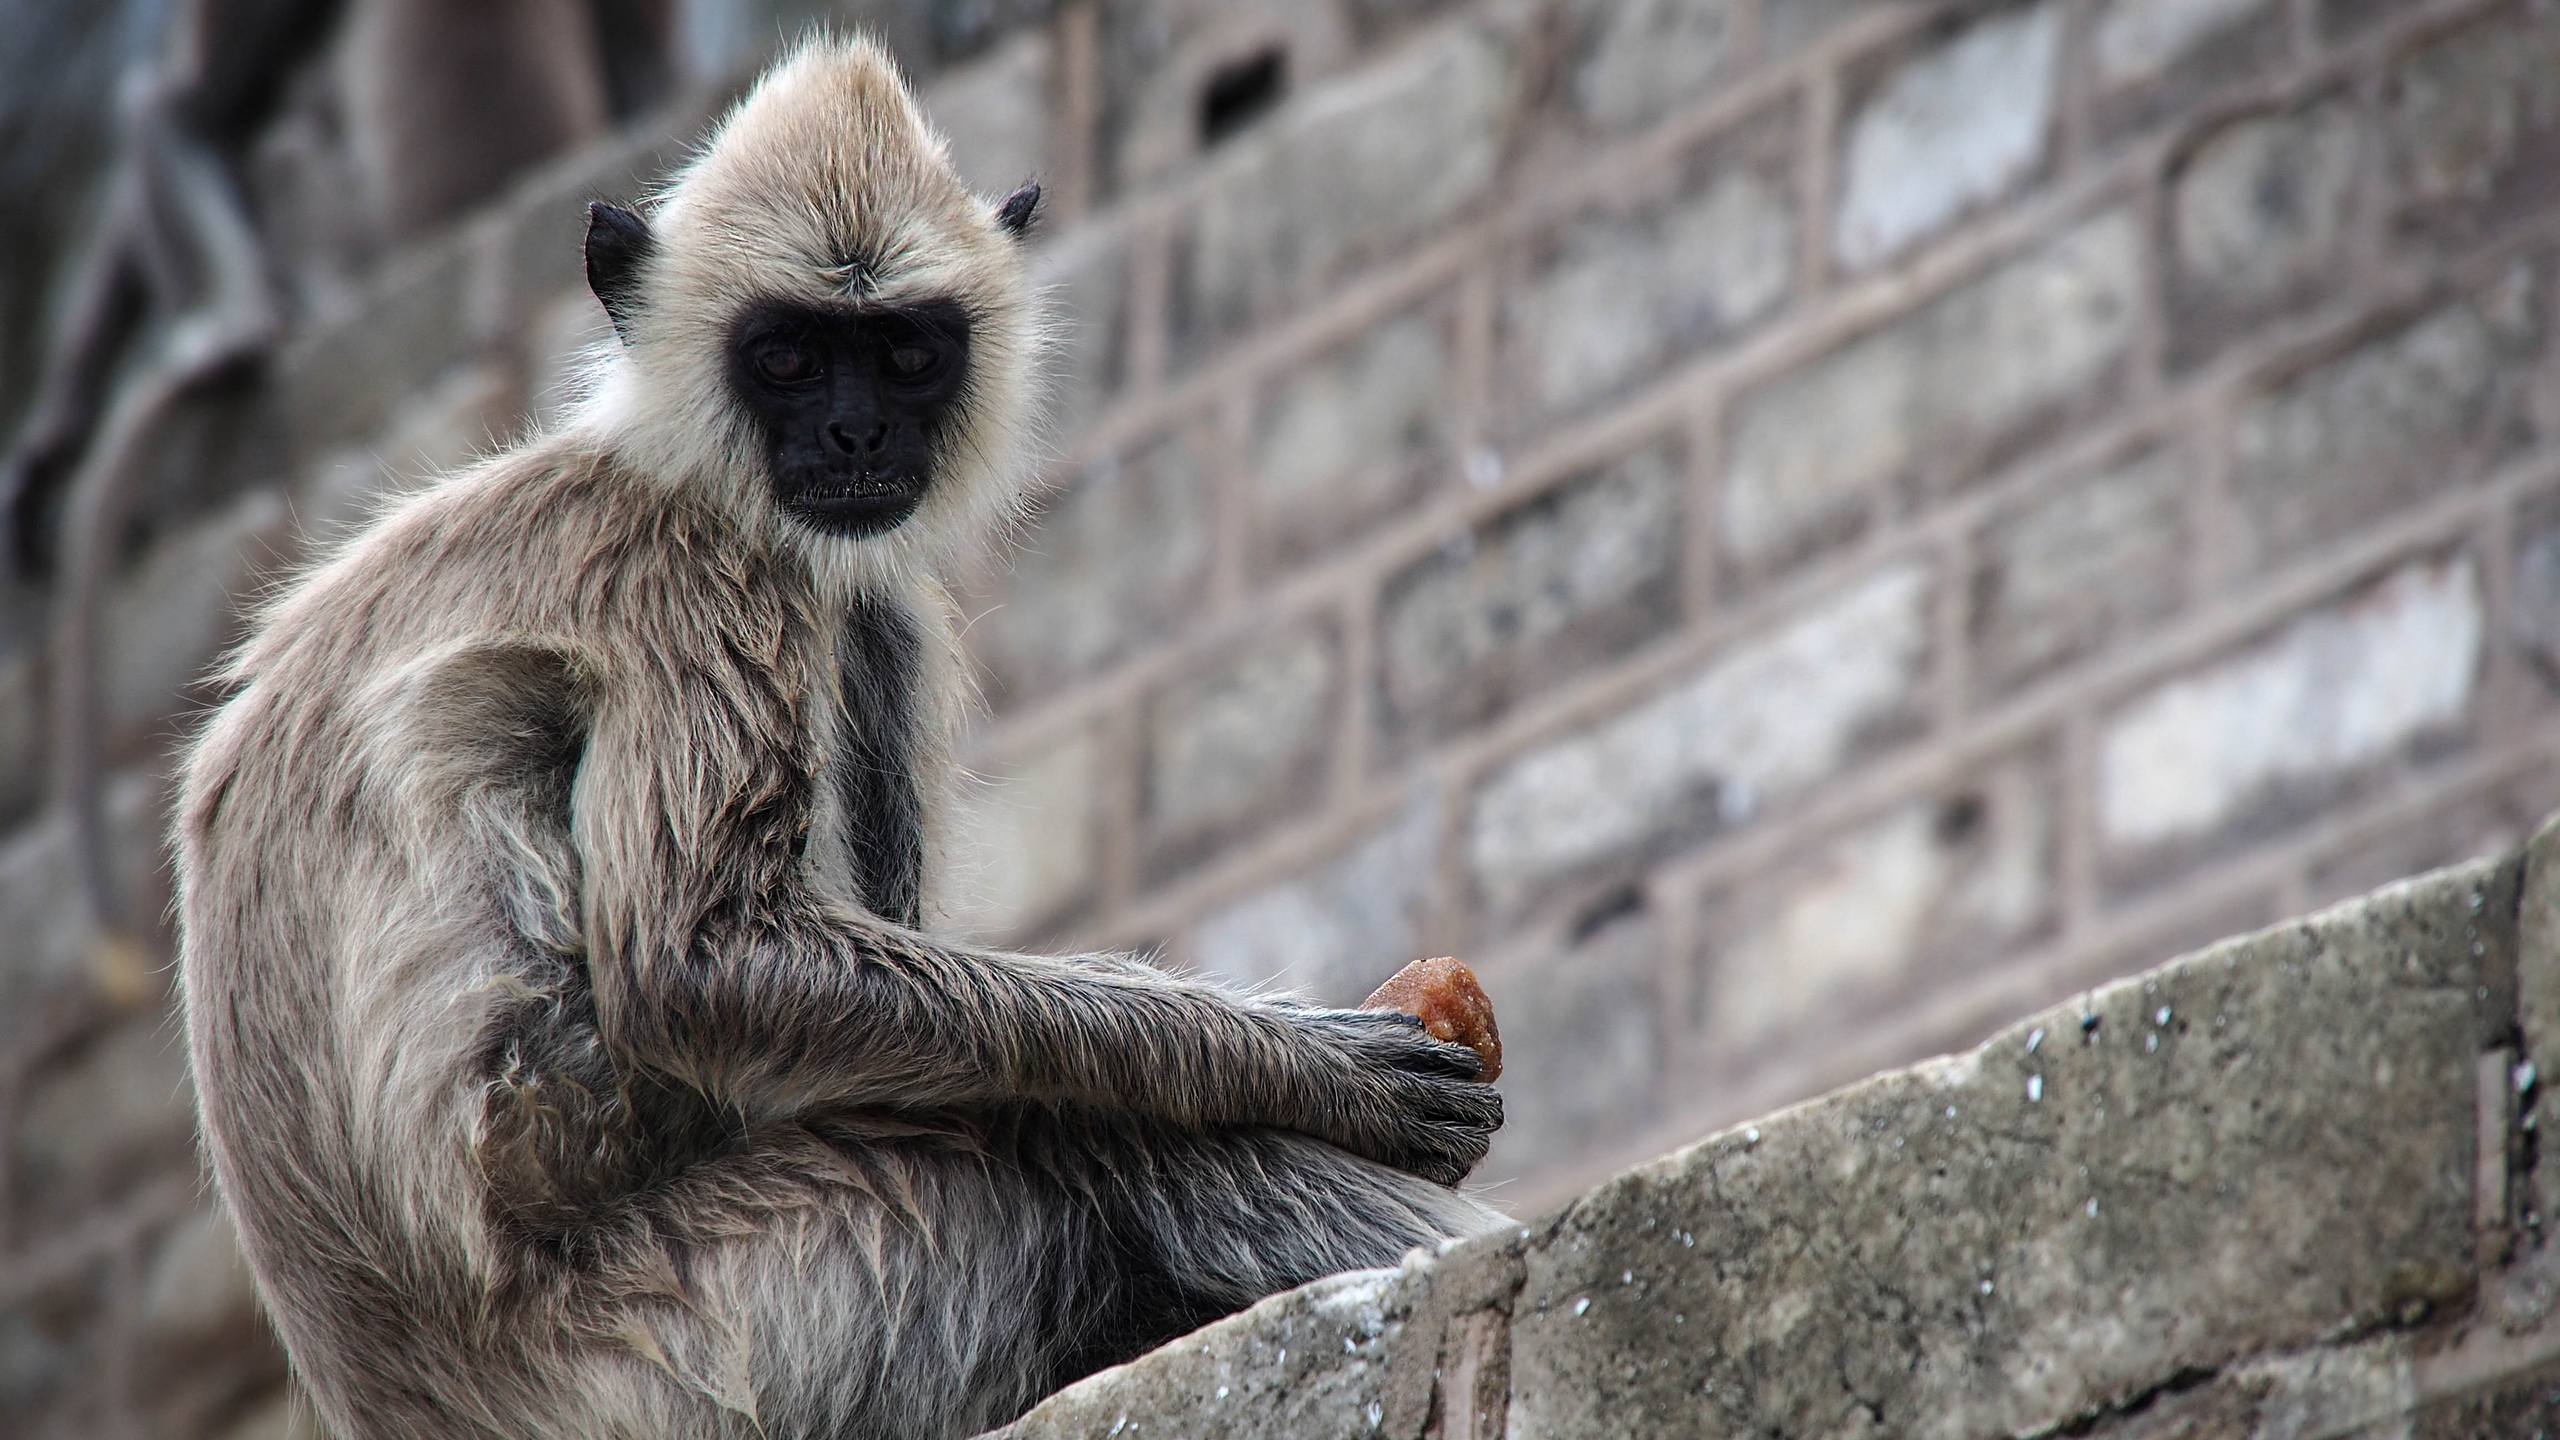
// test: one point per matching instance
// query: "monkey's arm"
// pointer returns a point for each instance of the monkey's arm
(671, 863)
(802, 1007)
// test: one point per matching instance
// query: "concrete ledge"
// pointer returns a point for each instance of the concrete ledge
(2268, 1182)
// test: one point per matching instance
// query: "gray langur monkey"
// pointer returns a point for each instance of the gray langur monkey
(571, 1051)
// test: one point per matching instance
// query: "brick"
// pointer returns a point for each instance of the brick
(1350, 438)
(1381, 159)
(195, 1285)
(1086, 277)
(445, 427)
(2385, 425)
(1116, 561)
(1949, 386)
(2265, 1145)
(1946, 131)
(51, 976)
(2071, 568)
(2156, 60)
(340, 381)
(960, 32)
(1881, 912)
(119, 1109)
(1789, 27)
(997, 113)
(2533, 610)
(1336, 930)
(25, 722)
(2142, 40)
(1643, 280)
(1159, 58)
(1025, 849)
(2296, 714)
(49, 1339)
(2473, 124)
(2259, 215)
(1567, 580)
(1582, 1049)
(1631, 63)
(1239, 744)
(2442, 830)
(171, 613)
(1772, 715)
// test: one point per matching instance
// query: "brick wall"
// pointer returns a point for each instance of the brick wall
(1788, 531)
(2286, 1187)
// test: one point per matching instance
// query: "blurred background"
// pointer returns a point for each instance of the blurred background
(1786, 531)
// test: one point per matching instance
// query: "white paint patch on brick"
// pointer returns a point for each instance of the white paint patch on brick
(2140, 40)
(1952, 128)
(1867, 911)
(1336, 931)
(2332, 692)
(1767, 719)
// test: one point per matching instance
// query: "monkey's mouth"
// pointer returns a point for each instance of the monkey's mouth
(864, 504)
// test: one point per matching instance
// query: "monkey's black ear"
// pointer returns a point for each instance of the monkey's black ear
(1019, 209)
(618, 243)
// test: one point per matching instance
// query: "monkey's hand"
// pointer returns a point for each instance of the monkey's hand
(1387, 1091)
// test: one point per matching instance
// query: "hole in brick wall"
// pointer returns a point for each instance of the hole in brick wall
(1625, 902)
(1241, 92)
(1960, 819)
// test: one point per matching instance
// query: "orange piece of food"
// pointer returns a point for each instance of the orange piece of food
(1444, 996)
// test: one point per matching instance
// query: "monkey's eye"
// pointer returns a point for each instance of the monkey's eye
(785, 363)
(912, 362)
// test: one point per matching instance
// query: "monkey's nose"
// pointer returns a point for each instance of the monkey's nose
(843, 439)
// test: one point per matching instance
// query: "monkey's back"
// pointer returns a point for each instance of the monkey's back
(343, 962)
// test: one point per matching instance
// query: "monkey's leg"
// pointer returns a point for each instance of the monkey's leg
(1192, 1226)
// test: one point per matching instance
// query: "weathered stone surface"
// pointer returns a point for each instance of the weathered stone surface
(2524, 1405)
(1239, 744)
(2156, 62)
(2260, 213)
(2379, 427)
(1952, 127)
(171, 613)
(1576, 576)
(1807, 451)
(2473, 124)
(2302, 710)
(1025, 854)
(1350, 437)
(1385, 157)
(1310, 1364)
(1938, 886)
(1336, 930)
(1760, 722)
(1114, 560)
(1976, 1246)
(1634, 61)
(2537, 937)
(24, 726)
(997, 114)
(1582, 1045)
(1626, 288)
(2068, 569)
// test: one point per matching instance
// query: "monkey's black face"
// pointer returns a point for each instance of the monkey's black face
(853, 405)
